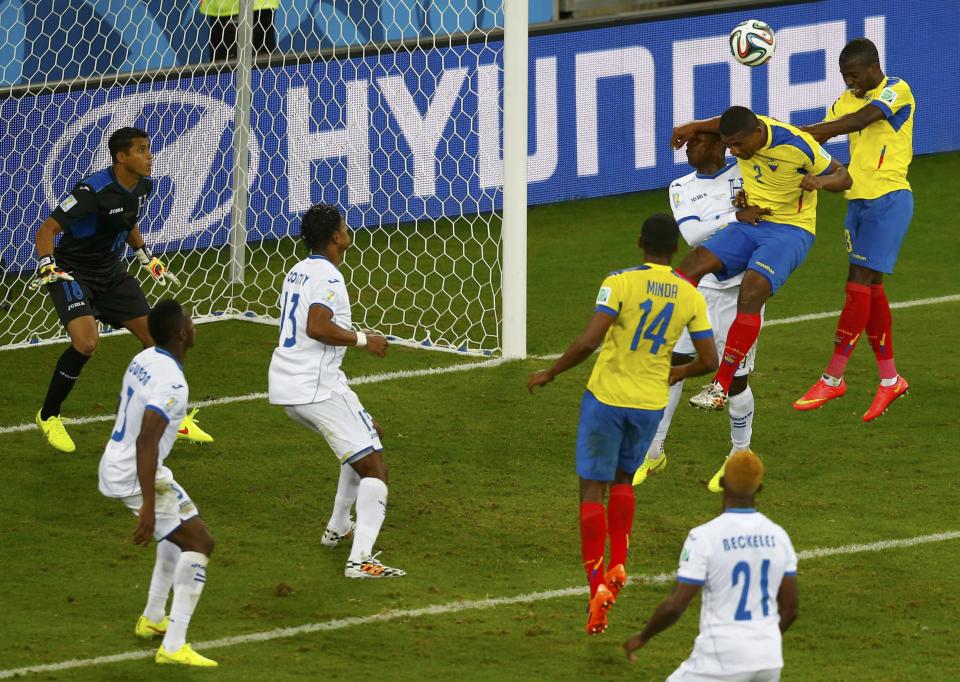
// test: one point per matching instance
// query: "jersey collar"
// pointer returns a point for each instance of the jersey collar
(720, 172)
(872, 94)
(169, 355)
(657, 266)
(740, 510)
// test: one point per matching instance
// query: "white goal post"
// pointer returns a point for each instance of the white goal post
(413, 124)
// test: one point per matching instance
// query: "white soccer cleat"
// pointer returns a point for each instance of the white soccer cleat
(332, 538)
(371, 568)
(710, 397)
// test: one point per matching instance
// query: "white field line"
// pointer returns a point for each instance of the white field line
(493, 362)
(450, 607)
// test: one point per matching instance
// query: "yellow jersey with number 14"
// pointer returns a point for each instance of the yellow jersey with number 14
(881, 153)
(651, 306)
(771, 177)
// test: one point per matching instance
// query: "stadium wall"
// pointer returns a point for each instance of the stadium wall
(363, 134)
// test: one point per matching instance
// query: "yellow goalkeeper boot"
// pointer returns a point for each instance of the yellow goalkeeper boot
(147, 629)
(55, 433)
(185, 655)
(191, 431)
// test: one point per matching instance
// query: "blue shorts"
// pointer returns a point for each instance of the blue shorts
(772, 249)
(876, 228)
(611, 438)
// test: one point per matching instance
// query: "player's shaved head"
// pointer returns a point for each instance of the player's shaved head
(166, 321)
(319, 224)
(860, 51)
(737, 120)
(122, 138)
(743, 474)
(659, 235)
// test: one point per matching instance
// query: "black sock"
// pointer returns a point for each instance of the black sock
(64, 377)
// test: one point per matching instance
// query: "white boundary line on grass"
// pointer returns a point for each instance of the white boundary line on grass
(464, 367)
(450, 607)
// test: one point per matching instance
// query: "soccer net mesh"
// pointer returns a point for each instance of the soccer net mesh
(387, 110)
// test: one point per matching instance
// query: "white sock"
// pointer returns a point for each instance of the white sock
(656, 447)
(167, 556)
(741, 409)
(343, 502)
(371, 510)
(889, 382)
(831, 380)
(188, 582)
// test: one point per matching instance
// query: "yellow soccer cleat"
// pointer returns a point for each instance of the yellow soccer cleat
(55, 433)
(185, 655)
(147, 629)
(191, 431)
(714, 484)
(649, 466)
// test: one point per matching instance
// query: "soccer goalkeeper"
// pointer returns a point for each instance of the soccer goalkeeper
(86, 279)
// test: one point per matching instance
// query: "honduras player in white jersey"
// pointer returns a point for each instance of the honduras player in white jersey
(305, 377)
(153, 402)
(747, 568)
(702, 203)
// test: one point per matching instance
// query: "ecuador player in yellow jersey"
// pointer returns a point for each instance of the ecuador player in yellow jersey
(782, 169)
(877, 113)
(639, 315)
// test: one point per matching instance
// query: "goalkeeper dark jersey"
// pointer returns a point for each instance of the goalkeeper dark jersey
(96, 219)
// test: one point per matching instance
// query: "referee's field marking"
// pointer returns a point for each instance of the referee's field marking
(464, 367)
(450, 607)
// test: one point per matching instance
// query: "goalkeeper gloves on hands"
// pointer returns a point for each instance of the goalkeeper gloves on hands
(155, 266)
(48, 272)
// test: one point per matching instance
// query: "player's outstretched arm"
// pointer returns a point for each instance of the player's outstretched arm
(156, 267)
(788, 602)
(706, 361)
(584, 345)
(850, 123)
(834, 179)
(682, 134)
(148, 452)
(47, 270)
(667, 614)
(322, 328)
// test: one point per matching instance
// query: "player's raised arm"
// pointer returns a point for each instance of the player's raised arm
(582, 348)
(850, 123)
(148, 452)
(682, 134)
(322, 328)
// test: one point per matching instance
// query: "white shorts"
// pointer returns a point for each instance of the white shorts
(721, 309)
(172, 507)
(681, 674)
(344, 424)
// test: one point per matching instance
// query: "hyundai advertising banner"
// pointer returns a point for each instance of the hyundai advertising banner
(414, 135)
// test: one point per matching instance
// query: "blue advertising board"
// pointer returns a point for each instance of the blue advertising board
(415, 135)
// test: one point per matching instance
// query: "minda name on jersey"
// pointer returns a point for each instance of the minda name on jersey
(662, 289)
(748, 542)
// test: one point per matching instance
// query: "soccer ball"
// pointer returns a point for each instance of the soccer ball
(752, 42)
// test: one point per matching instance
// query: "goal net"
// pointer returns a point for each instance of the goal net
(390, 111)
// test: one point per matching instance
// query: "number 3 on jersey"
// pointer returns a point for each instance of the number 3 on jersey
(291, 340)
(656, 331)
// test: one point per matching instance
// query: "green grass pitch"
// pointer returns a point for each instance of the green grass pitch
(483, 492)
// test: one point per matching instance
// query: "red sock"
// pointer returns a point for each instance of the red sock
(850, 326)
(593, 540)
(879, 332)
(740, 339)
(693, 280)
(620, 510)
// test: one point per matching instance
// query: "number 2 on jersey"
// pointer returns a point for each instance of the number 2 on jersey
(741, 575)
(656, 331)
(291, 340)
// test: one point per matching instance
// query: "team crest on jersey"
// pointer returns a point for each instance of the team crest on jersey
(676, 198)
(68, 203)
(773, 166)
(330, 295)
(888, 96)
(604, 295)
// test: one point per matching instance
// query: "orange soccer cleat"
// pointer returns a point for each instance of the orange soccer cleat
(615, 579)
(885, 396)
(820, 394)
(600, 603)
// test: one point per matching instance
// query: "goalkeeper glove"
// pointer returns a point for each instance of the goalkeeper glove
(48, 272)
(155, 266)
